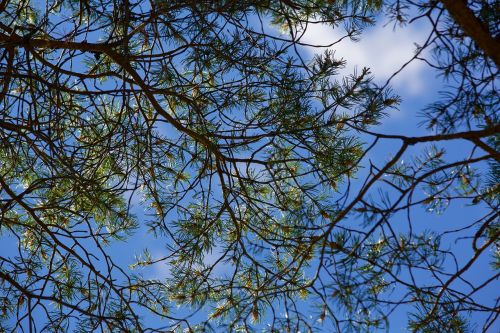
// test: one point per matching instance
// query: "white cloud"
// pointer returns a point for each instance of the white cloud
(161, 271)
(381, 48)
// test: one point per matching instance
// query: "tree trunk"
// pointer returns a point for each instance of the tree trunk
(473, 27)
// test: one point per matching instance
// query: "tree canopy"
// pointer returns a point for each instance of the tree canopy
(204, 125)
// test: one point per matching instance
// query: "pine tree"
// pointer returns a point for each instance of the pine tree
(235, 144)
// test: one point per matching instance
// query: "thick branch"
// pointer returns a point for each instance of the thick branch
(473, 27)
(107, 48)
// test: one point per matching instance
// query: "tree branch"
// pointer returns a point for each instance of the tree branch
(473, 27)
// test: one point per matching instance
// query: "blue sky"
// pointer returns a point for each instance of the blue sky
(384, 50)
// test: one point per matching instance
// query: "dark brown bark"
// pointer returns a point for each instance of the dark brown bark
(473, 27)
